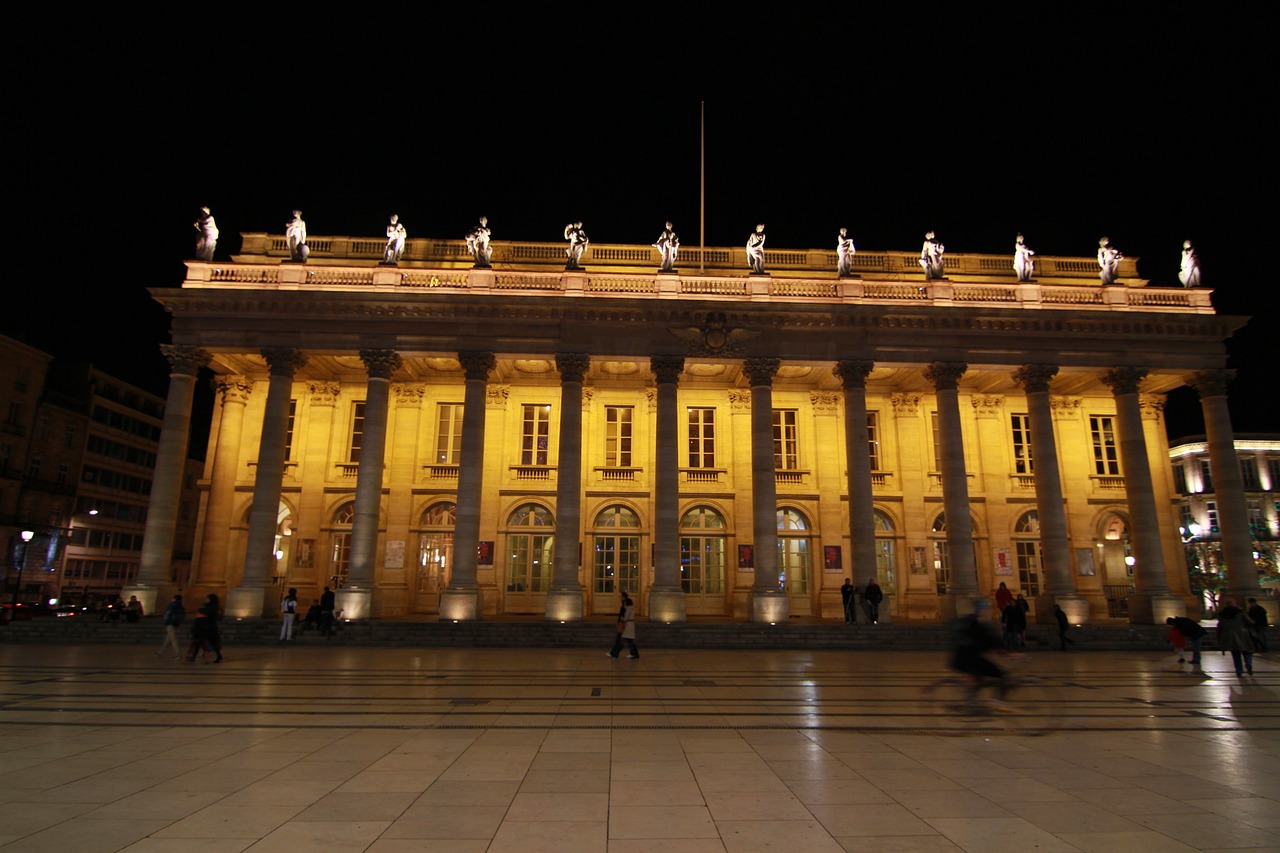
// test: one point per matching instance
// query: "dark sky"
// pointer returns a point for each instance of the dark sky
(1065, 125)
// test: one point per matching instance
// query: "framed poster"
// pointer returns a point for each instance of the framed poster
(395, 554)
(484, 554)
(1084, 562)
(917, 561)
(306, 553)
(1004, 561)
(746, 557)
(831, 561)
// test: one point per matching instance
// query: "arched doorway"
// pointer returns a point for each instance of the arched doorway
(886, 553)
(340, 544)
(794, 563)
(1026, 546)
(435, 555)
(703, 547)
(1115, 563)
(942, 555)
(530, 550)
(615, 564)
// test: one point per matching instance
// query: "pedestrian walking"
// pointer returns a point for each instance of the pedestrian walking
(327, 603)
(205, 636)
(173, 615)
(1258, 614)
(1061, 615)
(1235, 635)
(873, 595)
(288, 611)
(846, 596)
(1192, 631)
(626, 628)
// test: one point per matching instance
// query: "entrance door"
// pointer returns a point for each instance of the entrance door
(530, 550)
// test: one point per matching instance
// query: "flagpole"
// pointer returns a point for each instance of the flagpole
(702, 196)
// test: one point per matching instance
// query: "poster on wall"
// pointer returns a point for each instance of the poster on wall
(917, 560)
(306, 553)
(831, 558)
(395, 554)
(1084, 562)
(484, 554)
(746, 557)
(1004, 561)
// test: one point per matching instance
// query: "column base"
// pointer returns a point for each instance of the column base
(148, 595)
(564, 605)
(769, 607)
(667, 605)
(460, 605)
(1075, 606)
(1154, 609)
(353, 604)
(247, 602)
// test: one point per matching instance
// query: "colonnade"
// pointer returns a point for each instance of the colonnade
(564, 600)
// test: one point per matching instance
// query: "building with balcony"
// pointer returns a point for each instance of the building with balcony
(441, 440)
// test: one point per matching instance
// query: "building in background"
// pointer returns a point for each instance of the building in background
(439, 439)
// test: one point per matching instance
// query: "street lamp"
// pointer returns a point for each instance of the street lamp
(22, 562)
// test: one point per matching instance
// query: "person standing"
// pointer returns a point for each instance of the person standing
(1063, 625)
(212, 608)
(327, 602)
(288, 611)
(1003, 597)
(173, 615)
(846, 596)
(1014, 621)
(1191, 632)
(1258, 614)
(1235, 635)
(873, 595)
(627, 622)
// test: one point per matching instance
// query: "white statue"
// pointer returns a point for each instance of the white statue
(844, 251)
(208, 231)
(478, 243)
(1109, 258)
(755, 250)
(295, 236)
(931, 255)
(1189, 274)
(669, 245)
(1023, 261)
(578, 243)
(395, 241)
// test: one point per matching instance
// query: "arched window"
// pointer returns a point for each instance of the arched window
(616, 559)
(1026, 544)
(793, 551)
(886, 556)
(435, 546)
(941, 556)
(702, 559)
(530, 553)
(340, 550)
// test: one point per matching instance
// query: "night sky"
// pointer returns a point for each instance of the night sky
(1066, 126)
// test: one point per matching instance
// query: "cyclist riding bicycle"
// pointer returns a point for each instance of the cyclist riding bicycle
(972, 637)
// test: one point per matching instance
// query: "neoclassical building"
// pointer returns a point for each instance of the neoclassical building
(436, 439)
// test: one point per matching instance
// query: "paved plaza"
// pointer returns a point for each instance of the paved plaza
(396, 749)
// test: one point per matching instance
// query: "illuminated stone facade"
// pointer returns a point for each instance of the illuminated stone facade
(467, 443)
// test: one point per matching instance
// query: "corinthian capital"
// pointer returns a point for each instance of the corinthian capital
(1211, 383)
(233, 388)
(945, 375)
(666, 368)
(380, 363)
(477, 364)
(284, 360)
(853, 372)
(760, 371)
(1124, 380)
(1035, 377)
(184, 360)
(572, 365)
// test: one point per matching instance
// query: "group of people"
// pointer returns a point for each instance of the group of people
(870, 597)
(1240, 631)
(205, 636)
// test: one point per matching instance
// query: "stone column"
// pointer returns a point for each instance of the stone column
(249, 598)
(564, 599)
(211, 571)
(355, 599)
(166, 483)
(1233, 512)
(461, 601)
(1152, 602)
(1055, 548)
(666, 596)
(945, 377)
(862, 531)
(768, 603)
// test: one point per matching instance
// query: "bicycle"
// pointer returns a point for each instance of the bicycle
(1029, 705)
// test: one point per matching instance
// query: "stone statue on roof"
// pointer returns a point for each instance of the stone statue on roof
(295, 237)
(1024, 263)
(478, 243)
(844, 251)
(1109, 258)
(395, 241)
(755, 250)
(669, 245)
(931, 255)
(207, 230)
(1189, 273)
(578, 243)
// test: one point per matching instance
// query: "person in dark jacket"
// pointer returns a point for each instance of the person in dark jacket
(873, 595)
(1061, 616)
(205, 637)
(1192, 632)
(1014, 620)
(1235, 635)
(328, 601)
(1258, 614)
(846, 597)
(173, 616)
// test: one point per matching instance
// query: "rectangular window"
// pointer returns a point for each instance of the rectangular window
(935, 436)
(1180, 479)
(785, 456)
(357, 431)
(1106, 453)
(1187, 519)
(33, 469)
(1211, 515)
(1249, 473)
(69, 437)
(873, 439)
(449, 434)
(1273, 473)
(15, 413)
(535, 438)
(288, 430)
(1257, 521)
(1028, 567)
(63, 471)
(1022, 462)
(702, 438)
(1206, 476)
(617, 436)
